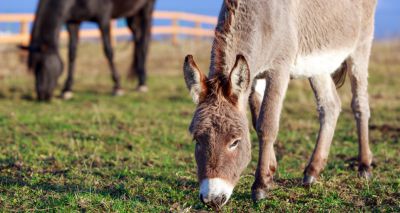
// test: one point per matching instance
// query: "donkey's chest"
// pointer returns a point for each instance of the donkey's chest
(318, 63)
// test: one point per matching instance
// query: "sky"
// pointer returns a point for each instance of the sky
(387, 16)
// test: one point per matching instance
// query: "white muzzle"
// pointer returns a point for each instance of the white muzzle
(215, 191)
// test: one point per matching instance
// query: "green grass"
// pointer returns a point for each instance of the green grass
(134, 153)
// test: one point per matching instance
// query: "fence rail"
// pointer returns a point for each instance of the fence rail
(174, 30)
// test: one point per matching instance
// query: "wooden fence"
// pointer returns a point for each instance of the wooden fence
(174, 30)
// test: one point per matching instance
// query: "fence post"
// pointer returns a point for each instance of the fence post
(24, 32)
(175, 26)
(197, 26)
(24, 40)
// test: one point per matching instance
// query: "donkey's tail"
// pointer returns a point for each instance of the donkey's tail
(339, 76)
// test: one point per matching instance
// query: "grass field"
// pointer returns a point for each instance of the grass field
(134, 153)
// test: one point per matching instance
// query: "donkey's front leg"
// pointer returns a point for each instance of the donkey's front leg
(73, 31)
(329, 108)
(105, 29)
(267, 130)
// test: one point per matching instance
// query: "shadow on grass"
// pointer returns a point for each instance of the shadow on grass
(278, 184)
(114, 191)
(13, 95)
(188, 187)
(289, 182)
(28, 97)
(167, 180)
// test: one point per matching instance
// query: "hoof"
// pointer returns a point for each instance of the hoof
(308, 180)
(258, 194)
(142, 89)
(261, 192)
(67, 95)
(365, 174)
(118, 92)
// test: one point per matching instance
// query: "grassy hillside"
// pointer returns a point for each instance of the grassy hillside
(133, 153)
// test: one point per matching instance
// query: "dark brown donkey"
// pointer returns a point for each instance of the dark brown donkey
(51, 15)
(259, 46)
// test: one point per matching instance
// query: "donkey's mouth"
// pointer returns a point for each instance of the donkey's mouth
(217, 203)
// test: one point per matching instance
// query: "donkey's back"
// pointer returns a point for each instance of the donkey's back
(326, 24)
(93, 10)
(327, 32)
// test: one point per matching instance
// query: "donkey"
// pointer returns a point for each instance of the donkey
(259, 46)
(44, 57)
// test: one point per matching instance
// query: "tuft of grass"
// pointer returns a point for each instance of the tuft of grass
(133, 153)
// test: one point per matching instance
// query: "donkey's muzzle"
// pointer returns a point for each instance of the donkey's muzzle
(215, 192)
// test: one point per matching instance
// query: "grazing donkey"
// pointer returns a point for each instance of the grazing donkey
(259, 46)
(44, 56)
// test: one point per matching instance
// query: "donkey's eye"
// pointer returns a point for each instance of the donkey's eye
(234, 144)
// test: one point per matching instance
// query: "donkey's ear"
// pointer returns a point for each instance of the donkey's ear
(194, 78)
(240, 76)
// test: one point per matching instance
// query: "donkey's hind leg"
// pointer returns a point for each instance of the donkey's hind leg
(73, 30)
(140, 25)
(358, 74)
(329, 107)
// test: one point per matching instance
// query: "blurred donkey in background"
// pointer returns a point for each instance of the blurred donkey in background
(44, 57)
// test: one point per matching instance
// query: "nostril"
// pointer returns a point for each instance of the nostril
(201, 198)
(223, 199)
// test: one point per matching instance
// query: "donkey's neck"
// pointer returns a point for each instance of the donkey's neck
(48, 22)
(236, 33)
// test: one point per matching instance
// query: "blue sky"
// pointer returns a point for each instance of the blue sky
(387, 17)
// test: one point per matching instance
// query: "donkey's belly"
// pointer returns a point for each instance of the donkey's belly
(311, 65)
(318, 63)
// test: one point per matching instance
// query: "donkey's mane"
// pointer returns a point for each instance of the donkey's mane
(49, 18)
(218, 82)
(37, 24)
(222, 31)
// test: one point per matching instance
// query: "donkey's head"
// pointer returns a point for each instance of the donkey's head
(47, 65)
(219, 128)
